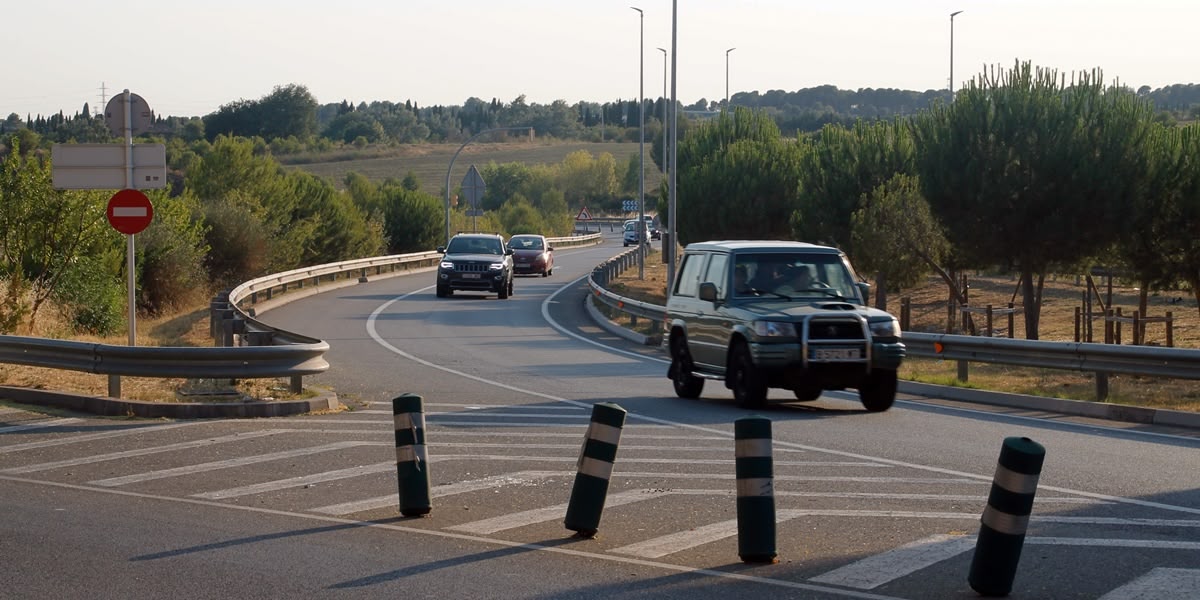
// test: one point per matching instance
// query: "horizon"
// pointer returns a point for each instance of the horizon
(188, 60)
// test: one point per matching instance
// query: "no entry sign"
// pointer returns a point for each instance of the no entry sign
(130, 211)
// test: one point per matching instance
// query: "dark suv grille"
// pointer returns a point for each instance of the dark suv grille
(471, 267)
(835, 330)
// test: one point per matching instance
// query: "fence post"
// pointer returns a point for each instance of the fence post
(1078, 315)
(1170, 330)
(963, 369)
(1138, 334)
(1117, 328)
(1011, 312)
(989, 320)
(905, 307)
(1108, 326)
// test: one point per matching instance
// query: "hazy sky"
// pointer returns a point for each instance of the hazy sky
(189, 58)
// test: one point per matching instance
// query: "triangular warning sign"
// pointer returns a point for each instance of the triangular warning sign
(584, 215)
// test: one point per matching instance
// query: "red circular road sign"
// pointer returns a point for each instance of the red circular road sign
(130, 211)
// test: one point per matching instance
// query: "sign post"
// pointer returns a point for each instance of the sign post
(106, 167)
(473, 188)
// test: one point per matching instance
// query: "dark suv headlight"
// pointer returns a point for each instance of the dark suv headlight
(888, 328)
(447, 265)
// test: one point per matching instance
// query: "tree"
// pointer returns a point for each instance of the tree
(1026, 170)
(414, 221)
(896, 237)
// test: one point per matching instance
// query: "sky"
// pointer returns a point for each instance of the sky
(188, 58)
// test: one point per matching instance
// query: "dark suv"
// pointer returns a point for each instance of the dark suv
(475, 262)
(763, 314)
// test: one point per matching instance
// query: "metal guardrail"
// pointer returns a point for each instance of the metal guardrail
(246, 347)
(1103, 359)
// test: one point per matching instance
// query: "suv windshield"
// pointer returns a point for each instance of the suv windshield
(479, 245)
(793, 275)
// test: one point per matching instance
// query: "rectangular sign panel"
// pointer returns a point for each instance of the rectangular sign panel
(102, 166)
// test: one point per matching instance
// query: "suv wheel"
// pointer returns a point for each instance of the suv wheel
(878, 391)
(505, 290)
(748, 385)
(686, 385)
(443, 291)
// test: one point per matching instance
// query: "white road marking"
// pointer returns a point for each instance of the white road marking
(440, 491)
(293, 482)
(715, 574)
(549, 513)
(874, 571)
(471, 407)
(1159, 584)
(222, 464)
(85, 460)
(982, 499)
(1112, 543)
(87, 437)
(43, 424)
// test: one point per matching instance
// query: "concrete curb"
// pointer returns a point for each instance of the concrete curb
(1079, 408)
(115, 407)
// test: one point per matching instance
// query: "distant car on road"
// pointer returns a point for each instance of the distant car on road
(532, 255)
(655, 234)
(636, 231)
(475, 262)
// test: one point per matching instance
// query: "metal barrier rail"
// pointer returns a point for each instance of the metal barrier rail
(1103, 359)
(263, 352)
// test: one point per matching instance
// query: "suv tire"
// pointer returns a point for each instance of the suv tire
(686, 385)
(878, 392)
(443, 291)
(748, 384)
(505, 290)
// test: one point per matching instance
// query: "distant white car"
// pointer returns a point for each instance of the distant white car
(636, 231)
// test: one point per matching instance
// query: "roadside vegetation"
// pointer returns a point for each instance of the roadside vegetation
(1027, 172)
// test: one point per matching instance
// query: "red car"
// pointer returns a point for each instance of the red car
(532, 255)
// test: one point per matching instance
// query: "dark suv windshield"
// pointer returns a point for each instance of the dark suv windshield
(460, 245)
(793, 275)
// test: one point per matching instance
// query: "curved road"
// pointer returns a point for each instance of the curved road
(868, 505)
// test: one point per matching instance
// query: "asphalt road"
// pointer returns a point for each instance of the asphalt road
(867, 505)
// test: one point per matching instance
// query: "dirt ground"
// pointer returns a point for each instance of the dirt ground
(1062, 294)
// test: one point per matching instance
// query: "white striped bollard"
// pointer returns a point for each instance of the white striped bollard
(412, 459)
(1006, 518)
(594, 469)
(755, 473)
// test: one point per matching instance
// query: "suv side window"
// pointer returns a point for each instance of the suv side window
(717, 275)
(689, 275)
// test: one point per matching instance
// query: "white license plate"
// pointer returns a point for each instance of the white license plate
(836, 354)
(470, 275)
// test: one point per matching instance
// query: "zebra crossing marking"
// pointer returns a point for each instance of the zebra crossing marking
(41, 424)
(439, 491)
(87, 437)
(1161, 583)
(221, 464)
(84, 460)
(549, 513)
(874, 571)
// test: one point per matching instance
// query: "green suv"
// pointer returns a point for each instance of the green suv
(767, 314)
(475, 262)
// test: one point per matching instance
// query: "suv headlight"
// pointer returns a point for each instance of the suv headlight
(496, 266)
(774, 329)
(888, 328)
(447, 265)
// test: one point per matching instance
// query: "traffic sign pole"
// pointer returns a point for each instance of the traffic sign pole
(129, 245)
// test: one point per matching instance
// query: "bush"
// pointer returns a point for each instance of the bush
(91, 299)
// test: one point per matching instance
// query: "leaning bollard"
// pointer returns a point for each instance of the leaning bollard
(755, 473)
(1006, 517)
(412, 460)
(594, 469)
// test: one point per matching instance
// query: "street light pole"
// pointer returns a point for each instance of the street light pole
(672, 200)
(642, 144)
(455, 157)
(952, 53)
(727, 77)
(664, 117)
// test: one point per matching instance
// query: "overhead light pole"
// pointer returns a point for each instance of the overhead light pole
(642, 144)
(664, 116)
(455, 157)
(672, 200)
(727, 77)
(952, 53)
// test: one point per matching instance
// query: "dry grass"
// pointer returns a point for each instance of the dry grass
(1060, 297)
(188, 328)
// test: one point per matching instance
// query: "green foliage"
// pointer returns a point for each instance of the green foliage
(413, 221)
(91, 296)
(895, 235)
(844, 166)
(288, 110)
(737, 180)
(237, 240)
(171, 255)
(519, 216)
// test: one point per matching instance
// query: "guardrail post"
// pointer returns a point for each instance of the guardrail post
(1170, 330)
(594, 469)
(1101, 386)
(114, 386)
(296, 384)
(755, 471)
(1006, 518)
